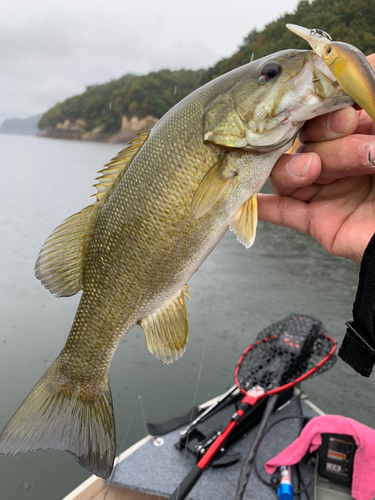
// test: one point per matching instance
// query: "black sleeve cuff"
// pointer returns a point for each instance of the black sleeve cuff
(357, 352)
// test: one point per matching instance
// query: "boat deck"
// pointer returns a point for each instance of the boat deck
(150, 470)
(158, 470)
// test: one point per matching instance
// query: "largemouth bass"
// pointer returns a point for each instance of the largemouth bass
(162, 205)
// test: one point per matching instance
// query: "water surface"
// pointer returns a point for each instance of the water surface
(235, 294)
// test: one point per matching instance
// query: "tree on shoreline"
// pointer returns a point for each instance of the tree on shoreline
(154, 94)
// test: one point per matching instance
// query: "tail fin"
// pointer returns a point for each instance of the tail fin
(50, 418)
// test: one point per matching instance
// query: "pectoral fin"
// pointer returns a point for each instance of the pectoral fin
(166, 330)
(245, 222)
(211, 188)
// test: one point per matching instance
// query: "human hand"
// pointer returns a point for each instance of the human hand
(328, 189)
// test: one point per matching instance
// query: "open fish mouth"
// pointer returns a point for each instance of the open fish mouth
(319, 91)
(313, 91)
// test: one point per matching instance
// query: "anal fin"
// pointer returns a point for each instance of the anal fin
(245, 222)
(167, 331)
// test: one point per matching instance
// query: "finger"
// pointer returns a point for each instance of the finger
(293, 171)
(336, 124)
(371, 60)
(284, 211)
(331, 126)
(307, 193)
(349, 156)
(365, 124)
(354, 190)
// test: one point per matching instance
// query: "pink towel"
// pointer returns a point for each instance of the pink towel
(363, 485)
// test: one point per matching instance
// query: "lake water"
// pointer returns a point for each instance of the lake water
(235, 294)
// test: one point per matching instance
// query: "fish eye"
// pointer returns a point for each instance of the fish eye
(269, 71)
(328, 50)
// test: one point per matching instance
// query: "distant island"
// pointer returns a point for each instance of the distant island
(26, 126)
(115, 111)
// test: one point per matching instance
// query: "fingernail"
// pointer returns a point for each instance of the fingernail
(371, 154)
(298, 168)
(339, 123)
(272, 184)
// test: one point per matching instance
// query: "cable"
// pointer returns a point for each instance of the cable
(273, 484)
(264, 481)
(313, 475)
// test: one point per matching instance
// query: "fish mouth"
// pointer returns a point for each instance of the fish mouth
(271, 147)
(349, 65)
(318, 90)
(313, 92)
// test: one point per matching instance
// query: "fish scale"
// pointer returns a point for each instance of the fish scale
(162, 206)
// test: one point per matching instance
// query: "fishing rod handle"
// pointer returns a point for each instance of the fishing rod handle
(182, 491)
(208, 410)
(218, 443)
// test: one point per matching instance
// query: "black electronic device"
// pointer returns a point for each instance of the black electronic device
(336, 457)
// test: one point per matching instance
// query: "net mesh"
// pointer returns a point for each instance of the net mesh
(283, 352)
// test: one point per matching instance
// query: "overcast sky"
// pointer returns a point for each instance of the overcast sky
(50, 50)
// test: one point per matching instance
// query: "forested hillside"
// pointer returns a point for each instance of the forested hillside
(118, 107)
(348, 21)
(103, 106)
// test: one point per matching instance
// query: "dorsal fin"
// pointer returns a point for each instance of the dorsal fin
(113, 171)
(60, 261)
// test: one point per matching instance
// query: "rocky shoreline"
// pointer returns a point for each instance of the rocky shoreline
(75, 130)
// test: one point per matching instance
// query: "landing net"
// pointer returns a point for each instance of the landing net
(286, 352)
